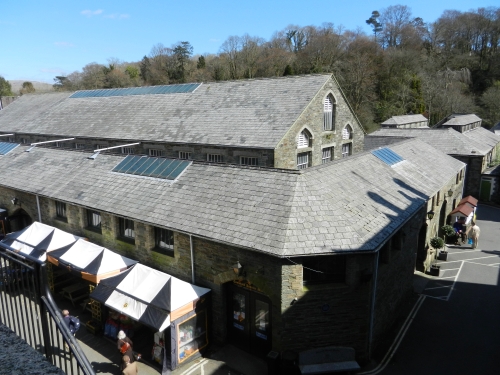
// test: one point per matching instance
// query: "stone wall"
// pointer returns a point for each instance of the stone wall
(475, 167)
(312, 120)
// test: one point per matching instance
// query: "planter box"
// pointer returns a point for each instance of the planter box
(443, 255)
(435, 271)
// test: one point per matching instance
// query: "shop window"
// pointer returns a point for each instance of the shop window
(323, 269)
(192, 335)
(94, 221)
(164, 241)
(61, 211)
(126, 229)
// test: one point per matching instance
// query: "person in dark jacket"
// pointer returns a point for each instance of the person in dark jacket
(127, 350)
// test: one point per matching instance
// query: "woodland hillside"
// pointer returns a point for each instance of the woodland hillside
(407, 65)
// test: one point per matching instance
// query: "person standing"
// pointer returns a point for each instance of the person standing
(129, 368)
(72, 322)
(125, 346)
(474, 234)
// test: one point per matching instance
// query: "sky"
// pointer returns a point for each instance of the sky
(44, 39)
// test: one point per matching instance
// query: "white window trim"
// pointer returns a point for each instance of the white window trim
(128, 150)
(347, 132)
(304, 139)
(185, 155)
(303, 160)
(329, 156)
(216, 158)
(156, 152)
(249, 160)
(347, 146)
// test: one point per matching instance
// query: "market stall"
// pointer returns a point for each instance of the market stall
(37, 239)
(465, 210)
(176, 310)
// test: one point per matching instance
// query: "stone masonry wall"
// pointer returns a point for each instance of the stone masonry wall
(475, 167)
(312, 119)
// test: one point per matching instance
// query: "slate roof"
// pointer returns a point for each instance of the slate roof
(447, 140)
(483, 136)
(462, 120)
(353, 204)
(245, 113)
(404, 119)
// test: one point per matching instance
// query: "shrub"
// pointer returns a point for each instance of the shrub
(448, 230)
(437, 242)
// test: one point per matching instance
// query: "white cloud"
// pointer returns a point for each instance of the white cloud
(90, 13)
(117, 16)
(64, 44)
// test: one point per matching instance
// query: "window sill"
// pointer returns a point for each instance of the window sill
(126, 240)
(163, 251)
(94, 230)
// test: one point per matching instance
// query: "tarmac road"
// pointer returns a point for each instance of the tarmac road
(456, 328)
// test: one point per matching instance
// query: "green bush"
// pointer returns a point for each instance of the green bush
(437, 242)
(448, 230)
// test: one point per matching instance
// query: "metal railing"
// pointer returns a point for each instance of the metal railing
(28, 309)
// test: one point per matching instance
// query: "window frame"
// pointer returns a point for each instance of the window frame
(349, 150)
(329, 107)
(324, 159)
(304, 139)
(252, 161)
(79, 146)
(91, 215)
(123, 226)
(217, 158)
(128, 150)
(155, 152)
(159, 235)
(307, 163)
(61, 211)
(347, 132)
(185, 155)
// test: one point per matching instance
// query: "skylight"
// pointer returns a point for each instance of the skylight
(168, 169)
(6, 147)
(148, 90)
(388, 156)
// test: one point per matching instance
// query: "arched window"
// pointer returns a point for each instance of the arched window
(347, 132)
(304, 139)
(328, 113)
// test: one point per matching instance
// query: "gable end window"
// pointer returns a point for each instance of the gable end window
(126, 229)
(347, 132)
(61, 211)
(328, 113)
(94, 220)
(304, 139)
(164, 241)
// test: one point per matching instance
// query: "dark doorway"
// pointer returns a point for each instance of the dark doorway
(249, 315)
(18, 220)
(421, 248)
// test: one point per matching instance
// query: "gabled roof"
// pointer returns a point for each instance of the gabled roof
(353, 204)
(404, 119)
(464, 209)
(470, 200)
(462, 120)
(448, 140)
(484, 137)
(245, 113)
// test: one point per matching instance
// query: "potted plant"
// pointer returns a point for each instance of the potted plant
(449, 233)
(439, 244)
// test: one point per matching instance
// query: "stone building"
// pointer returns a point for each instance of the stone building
(317, 256)
(460, 122)
(290, 122)
(405, 122)
(478, 148)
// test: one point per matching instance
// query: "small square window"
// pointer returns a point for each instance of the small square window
(61, 210)
(247, 160)
(156, 152)
(94, 220)
(346, 150)
(326, 155)
(184, 155)
(214, 158)
(164, 241)
(303, 160)
(126, 229)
